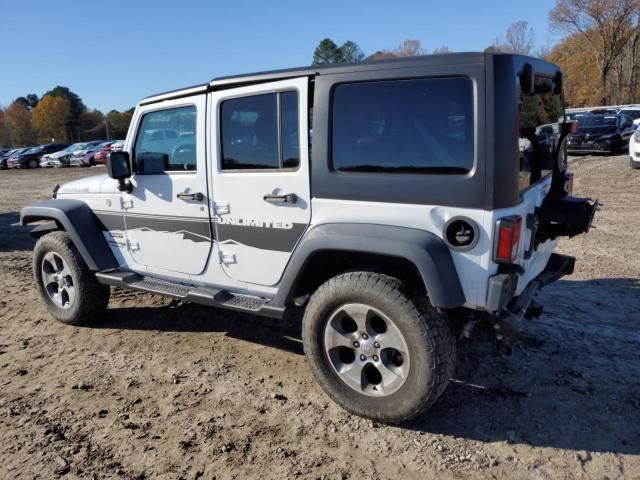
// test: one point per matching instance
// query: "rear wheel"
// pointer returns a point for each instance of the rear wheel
(33, 163)
(375, 349)
(66, 285)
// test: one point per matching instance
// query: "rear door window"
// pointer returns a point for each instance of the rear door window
(404, 126)
(260, 132)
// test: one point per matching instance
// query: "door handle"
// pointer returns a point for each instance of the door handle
(191, 196)
(286, 198)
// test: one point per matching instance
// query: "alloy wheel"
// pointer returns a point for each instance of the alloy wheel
(366, 349)
(58, 280)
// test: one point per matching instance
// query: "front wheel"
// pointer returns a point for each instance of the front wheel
(33, 163)
(376, 350)
(66, 285)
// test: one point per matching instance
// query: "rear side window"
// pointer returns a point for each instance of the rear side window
(166, 141)
(260, 132)
(403, 126)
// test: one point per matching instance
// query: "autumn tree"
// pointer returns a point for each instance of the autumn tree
(92, 125)
(442, 49)
(581, 78)
(76, 108)
(18, 117)
(50, 118)
(605, 27)
(119, 122)
(5, 130)
(406, 48)
(520, 38)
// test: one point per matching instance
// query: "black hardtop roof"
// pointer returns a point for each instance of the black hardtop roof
(230, 81)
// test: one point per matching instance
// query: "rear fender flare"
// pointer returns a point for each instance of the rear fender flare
(423, 249)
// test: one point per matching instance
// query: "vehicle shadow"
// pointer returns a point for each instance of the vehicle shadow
(14, 237)
(199, 319)
(572, 382)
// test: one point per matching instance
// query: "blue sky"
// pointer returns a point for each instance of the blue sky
(112, 53)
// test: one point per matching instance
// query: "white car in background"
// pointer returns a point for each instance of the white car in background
(634, 149)
(633, 113)
(54, 159)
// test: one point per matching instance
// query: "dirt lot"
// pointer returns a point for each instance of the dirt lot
(189, 392)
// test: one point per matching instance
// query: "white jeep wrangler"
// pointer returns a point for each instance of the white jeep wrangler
(384, 201)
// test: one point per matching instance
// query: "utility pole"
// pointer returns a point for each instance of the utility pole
(106, 124)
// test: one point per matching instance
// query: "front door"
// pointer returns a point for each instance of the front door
(260, 181)
(166, 215)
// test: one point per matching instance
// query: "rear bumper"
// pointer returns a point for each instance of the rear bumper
(502, 287)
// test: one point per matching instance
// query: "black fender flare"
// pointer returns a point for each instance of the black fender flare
(423, 249)
(82, 225)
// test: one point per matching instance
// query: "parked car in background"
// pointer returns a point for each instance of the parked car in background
(77, 158)
(117, 146)
(634, 149)
(31, 158)
(89, 158)
(14, 160)
(53, 159)
(633, 113)
(61, 158)
(5, 156)
(601, 134)
(100, 155)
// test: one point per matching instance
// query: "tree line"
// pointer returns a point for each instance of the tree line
(61, 116)
(598, 50)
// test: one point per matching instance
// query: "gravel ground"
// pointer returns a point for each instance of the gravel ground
(155, 391)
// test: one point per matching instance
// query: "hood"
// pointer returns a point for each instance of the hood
(59, 154)
(96, 184)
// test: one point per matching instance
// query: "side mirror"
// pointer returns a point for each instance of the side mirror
(119, 168)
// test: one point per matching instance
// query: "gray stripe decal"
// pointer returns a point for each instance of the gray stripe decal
(278, 239)
(110, 220)
(199, 230)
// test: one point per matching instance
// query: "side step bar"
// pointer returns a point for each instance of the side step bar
(205, 296)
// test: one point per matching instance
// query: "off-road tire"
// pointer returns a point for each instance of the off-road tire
(432, 347)
(91, 297)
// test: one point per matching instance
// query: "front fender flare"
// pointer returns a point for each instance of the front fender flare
(425, 250)
(83, 227)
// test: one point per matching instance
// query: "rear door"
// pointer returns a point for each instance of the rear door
(260, 177)
(166, 216)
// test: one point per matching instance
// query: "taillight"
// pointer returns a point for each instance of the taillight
(568, 183)
(508, 239)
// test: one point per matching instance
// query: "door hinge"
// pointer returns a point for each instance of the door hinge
(126, 203)
(227, 258)
(132, 245)
(221, 208)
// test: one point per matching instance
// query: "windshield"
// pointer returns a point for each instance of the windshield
(33, 150)
(539, 131)
(75, 147)
(633, 114)
(598, 121)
